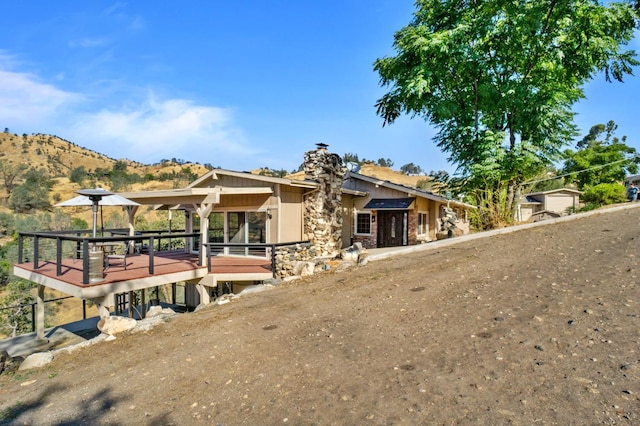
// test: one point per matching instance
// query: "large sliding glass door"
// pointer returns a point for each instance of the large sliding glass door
(256, 227)
(236, 227)
(246, 228)
(236, 224)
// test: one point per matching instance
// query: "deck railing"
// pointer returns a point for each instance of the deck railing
(71, 244)
(54, 246)
(266, 250)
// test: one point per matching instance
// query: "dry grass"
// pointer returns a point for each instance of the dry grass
(59, 157)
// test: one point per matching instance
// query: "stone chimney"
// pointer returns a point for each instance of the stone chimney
(323, 207)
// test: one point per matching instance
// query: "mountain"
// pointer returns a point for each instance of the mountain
(59, 157)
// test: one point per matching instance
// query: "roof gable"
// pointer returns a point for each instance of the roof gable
(213, 175)
(409, 191)
(555, 191)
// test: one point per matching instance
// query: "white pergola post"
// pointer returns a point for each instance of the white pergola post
(188, 228)
(204, 210)
(131, 213)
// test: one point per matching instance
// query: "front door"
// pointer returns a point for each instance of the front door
(392, 228)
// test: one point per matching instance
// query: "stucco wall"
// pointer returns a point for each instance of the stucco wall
(291, 216)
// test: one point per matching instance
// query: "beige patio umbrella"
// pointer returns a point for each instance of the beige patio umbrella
(96, 197)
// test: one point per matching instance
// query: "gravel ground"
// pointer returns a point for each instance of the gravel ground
(539, 326)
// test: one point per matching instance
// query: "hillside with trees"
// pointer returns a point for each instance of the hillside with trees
(38, 170)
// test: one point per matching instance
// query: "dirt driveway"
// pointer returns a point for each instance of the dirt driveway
(539, 326)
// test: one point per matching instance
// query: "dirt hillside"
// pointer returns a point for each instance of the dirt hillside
(538, 326)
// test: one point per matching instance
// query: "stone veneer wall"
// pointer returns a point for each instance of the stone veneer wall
(367, 241)
(323, 208)
(287, 257)
(413, 228)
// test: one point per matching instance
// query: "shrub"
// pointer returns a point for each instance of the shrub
(604, 194)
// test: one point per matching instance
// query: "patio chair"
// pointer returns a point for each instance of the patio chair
(119, 255)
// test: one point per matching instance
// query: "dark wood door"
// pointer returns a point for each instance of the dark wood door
(392, 228)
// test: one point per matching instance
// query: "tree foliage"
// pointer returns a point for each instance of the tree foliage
(33, 193)
(18, 297)
(600, 158)
(9, 172)
(604, 194)
(498, 79)
(411, 169)
(385, 162)
(78, 175)
(351, 157)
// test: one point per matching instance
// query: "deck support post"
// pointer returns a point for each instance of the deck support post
(40, 313)
(203, 292)
(132, 306)
(102, 303)
(143, 303)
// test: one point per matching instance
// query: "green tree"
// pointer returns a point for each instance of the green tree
(78, 175)
(439, 176)
(498, 79)
(600, 158)
(411, 169)
(604, 194)
(10, 171)
(5, 272)
(7, 221)
(18, 297)
(351, 157)
(120, 167)
(33, 193)
(549, 179)
(382, 162)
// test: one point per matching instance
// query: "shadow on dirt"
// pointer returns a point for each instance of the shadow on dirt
(96, 409)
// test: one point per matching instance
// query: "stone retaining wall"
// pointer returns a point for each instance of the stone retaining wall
(289, 257)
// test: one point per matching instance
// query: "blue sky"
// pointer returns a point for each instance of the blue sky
(237, 84)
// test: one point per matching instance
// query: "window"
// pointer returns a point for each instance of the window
(423, 223)
(363, 223)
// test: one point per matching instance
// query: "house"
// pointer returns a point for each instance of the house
(538, 206)
(384, 214)
(241, 229)
(635, 179)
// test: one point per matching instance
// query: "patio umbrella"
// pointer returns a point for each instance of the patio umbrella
(96, 197)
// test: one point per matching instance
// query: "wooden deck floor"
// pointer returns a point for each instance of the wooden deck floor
(138, 267)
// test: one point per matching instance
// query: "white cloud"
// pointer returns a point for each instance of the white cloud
(145, 131)
(25, 101)
(156, 129)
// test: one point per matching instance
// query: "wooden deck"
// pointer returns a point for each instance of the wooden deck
(169, 267)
